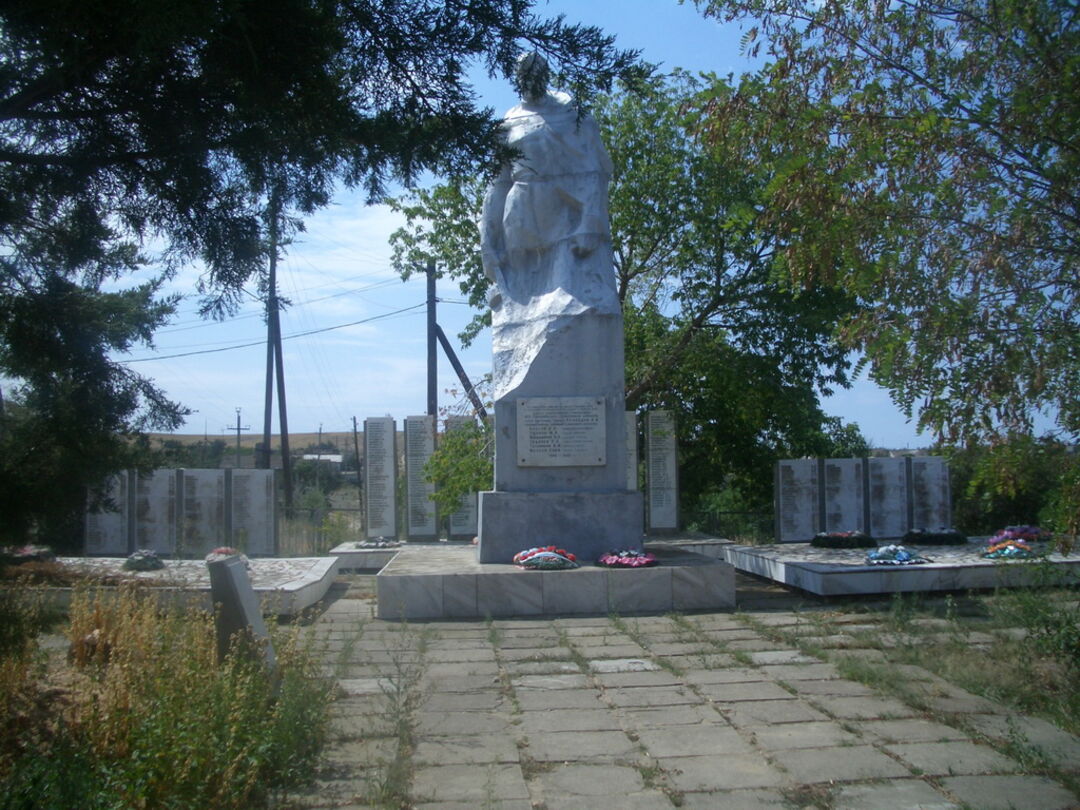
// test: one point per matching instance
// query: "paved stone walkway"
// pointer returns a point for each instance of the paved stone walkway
(696, 711)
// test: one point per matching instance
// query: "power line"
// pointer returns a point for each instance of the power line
(286, 337)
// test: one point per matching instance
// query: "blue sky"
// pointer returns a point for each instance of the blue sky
(339, 273)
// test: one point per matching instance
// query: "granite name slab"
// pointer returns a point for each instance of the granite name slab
(380, 468)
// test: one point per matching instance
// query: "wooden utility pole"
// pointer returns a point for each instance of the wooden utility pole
(275, 364)
(432, 345)
(237, 429)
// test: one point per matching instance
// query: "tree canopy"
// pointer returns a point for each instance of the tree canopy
(711, 331)
(144, 135)
(924, 157)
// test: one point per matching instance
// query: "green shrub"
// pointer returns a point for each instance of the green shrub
(150, 719)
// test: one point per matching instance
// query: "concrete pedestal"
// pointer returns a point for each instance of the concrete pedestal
(585, 523)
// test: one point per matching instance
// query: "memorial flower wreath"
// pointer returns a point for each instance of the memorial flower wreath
(1011, 543)
(545, 558)
(895, 555)
(627, 558)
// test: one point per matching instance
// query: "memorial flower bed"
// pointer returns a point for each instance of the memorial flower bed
(545, 558)
(144, 560)
(1013, 543)
(894, 554)
(855, 539)
(627, 558)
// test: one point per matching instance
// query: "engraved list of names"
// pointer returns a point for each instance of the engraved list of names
(561, 432)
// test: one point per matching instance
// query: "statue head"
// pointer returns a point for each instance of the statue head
(531, 76)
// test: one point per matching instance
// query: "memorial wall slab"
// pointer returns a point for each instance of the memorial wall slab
(797, 504)
(843, 495)
(156, 511)
(107, 530)
(202, 512)
(631, 451)
(662, 470)
(888, 496)
(420, 522)
(930, 493)
(254, 521)
(463, 521)
(380, 476)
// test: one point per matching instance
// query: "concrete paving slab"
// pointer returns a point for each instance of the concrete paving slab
(617, 679)
(736, 800)
(953, 758)
(1059, 746)
(485, 700)
(775, 656)
(815, 734)
(832, 686)
(910, 729)
(863, 708)
(1012, 792)
(714, 739)
(898, 794)
(582, 746)
(770, 712)
(471, 749)
(556, 682)
(725, 675)
(542, 700)
(457, 723)
(515, 668)
(645, 800)
(842, 764)
(468, 783)
(614, 665)
(669, 716)
(737, 692)
(708, 773)
(589, 780)
(647, 696)
(533, 723)
(709, 660)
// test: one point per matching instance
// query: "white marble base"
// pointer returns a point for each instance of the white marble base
(834, 572)
(357, 559)
(285, 586)
(435, 583)
(585, 523)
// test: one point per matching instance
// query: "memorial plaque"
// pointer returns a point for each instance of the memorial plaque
(843, 485)
(662, 470)
(931, 502)
(797, 505)
(380, 473)
(156, 511)
(561, 432)
(631, 451)
(888, 496)
(420, 509)
(107, 530)
(254, 512)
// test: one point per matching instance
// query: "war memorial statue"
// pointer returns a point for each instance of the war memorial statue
(557, 335)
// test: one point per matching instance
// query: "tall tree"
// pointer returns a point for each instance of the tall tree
(164, 124)
(706, 319)
(924, 156)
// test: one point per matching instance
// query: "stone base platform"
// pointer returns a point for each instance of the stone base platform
(284, 586)
(360, 559)
(587, 523)
(841, 572)
(441, 583)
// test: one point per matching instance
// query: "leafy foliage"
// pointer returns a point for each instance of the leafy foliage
(461, 464)
(923, 156)
(187, 129)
